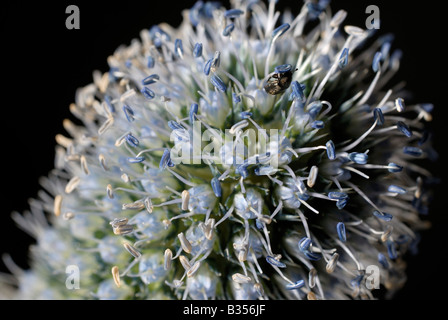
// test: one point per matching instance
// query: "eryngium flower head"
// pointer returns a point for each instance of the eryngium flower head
(306, 175)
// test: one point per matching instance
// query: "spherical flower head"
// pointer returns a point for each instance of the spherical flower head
(246, 154)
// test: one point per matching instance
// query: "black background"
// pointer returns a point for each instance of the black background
(42, 64)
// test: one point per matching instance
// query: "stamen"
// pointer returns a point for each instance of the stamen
(102, 161)
(123, 229)
(343, 59)
(216, 186)
(338, 18)
(308, 206)
(209, 227)
(137, 205)
(245, 114)
(362, 194)
(128, 94)
(185, 244)
(174, 125)
(305, 247)
(110, 105)
(129, 113)
(131, 140)
(396, 189)
(386, 233)
(193, 112)
(119, 222)
(362, 174)
(359, 158)
(297, 285)
(150, 79)
(228, 30)
(305, 224)
(150, 62)
(233, 13)
(399, 104)
(168, 256)
(57, 205)
(404, 129)
(165, 160)
(193, 269)
(383, 260)
(185, 263)
(208, 66)
(378, 116)
(312, 277)
(134, 252)
(185, 200)
(383, 215)
(216, 61)
(218, 83)
(376, 61)
(148, 93)
(166, 223)
(185, 181)
(341, 203)
(238, 126)
(273, 261)
(197, 50)
(413, 151)
(340, 227)
(240, 278)
(335, 195)
(418, 188)
(331, 265)
(116, 276)
(297, 91)
(178, 48)
(125, 177)
(148, 204)
(311, 296)
(330, 150)
(393, 167)
(277, 210)
(83, 162)
(362, 137)
(106, 125)
(167, 203)
(318, 124)
(347, 250)
(278, 32)
(68, 216)
(136, 159)
(391, 251)
(72, 184)
(259, 289)
(228, 213)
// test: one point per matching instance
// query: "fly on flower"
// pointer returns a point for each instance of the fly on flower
(280, 80)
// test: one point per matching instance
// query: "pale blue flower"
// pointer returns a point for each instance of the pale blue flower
(325, 187)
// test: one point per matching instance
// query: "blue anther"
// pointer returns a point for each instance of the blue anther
(218, 83)
(129, 113)
(148, 93)
(331, 153)
(197, 51)
(340, 228)
(383, 215)
(359, 158)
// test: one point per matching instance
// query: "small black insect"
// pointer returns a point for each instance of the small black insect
(280, 81)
